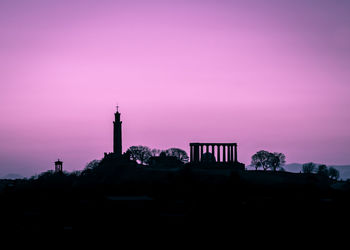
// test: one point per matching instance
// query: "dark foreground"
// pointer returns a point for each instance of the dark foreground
(227, 202)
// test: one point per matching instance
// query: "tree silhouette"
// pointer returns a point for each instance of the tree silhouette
(46, 174)
(261, 159)
(76, 173)
(322, 170)
(140, 153)
(156, 152)
(268, 160)
(333, 173)
(90, 167)
(308, 168)
(178, 153)
(276, 160)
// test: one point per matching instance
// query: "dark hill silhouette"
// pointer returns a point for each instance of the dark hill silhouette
(118, 191)
(12, 176)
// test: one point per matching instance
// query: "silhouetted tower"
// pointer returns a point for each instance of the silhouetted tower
(58, 166)
(117, 134)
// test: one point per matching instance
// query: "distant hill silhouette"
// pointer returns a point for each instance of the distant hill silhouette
(12, 176)
(344, 170)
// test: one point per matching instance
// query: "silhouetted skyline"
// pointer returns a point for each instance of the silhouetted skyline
(268, 74)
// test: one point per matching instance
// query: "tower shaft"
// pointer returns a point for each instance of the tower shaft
(117, 134)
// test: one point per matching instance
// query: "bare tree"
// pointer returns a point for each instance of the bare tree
(309, 168)
(178, 153)
(140, 153)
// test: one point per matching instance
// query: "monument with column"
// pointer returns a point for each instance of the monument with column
(225, 154)
(117, 137)
(117, 134)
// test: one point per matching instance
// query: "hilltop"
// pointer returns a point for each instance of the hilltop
(121, 192)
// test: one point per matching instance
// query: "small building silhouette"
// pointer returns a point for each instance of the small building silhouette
(58, 166)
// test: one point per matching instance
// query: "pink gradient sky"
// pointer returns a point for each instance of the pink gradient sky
(270, 75)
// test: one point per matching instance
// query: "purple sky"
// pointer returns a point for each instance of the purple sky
(270, 75)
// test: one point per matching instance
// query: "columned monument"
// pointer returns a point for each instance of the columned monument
(117, 134)
(224, 152)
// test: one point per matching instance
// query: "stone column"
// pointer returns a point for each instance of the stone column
(232, 156)
(229, 153)
(201, 152)
(213, 150)
(191, 153)
(236, 153)
(223, 153)
(218, 158)
(196, 153)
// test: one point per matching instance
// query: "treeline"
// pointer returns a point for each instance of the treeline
(267, 160)
(142, 154)
(135, 155)
(321, 169)
(274, 161)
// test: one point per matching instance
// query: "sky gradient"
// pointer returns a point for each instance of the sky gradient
(270, 75)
